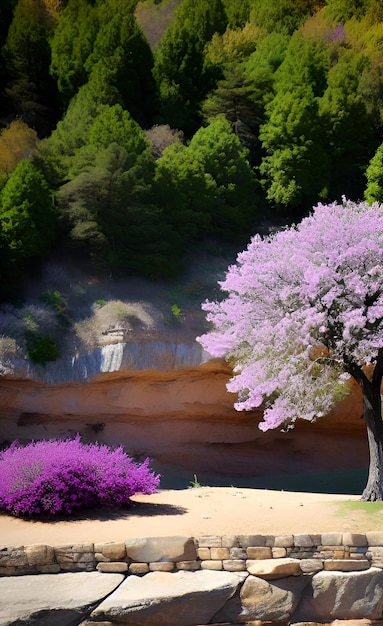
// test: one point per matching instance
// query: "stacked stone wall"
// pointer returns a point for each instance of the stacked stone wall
(331, 551)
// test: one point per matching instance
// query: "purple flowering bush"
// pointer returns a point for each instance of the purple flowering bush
(61, 477)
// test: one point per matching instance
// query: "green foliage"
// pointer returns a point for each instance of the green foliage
(57, 302)
(374, 175)
(42, 348)
(27, 216)
(27, 56)
(180, 70)
(282, 15)
(72, 44)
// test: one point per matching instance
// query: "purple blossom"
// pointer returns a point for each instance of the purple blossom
(60, 477)
(316, 287)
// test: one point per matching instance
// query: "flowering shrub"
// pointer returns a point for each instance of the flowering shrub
(60, 477)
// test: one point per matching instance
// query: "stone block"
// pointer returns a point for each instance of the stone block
(354, 539)
(271, 601)
(342, 595)
(212, 565)
(271, 569)
(311, 566)
(246, 541)
(151, 549)
(375, 538)
(162, 566)
(138, 568)
(209, 541)
(303, 541)
(54, 568)
(259, 553)
(203, 554)
(234, 565)
(189, 566)
(112, 551)
(113, 566)
(39, 554)
(332, 539)
(100, 558)
(278, 553)
(13, 557)
(53, 598)
(238, 553)
(346, 565)
(169, 599)
(230, 541)
(217, 554)
(83, 557)
(284, 541)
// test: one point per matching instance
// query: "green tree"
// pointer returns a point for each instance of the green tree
(295, 167)
(27, 56)
(180, 70)
(374, 175)
(27, 216)
(350, 139)
(209, 185)
(72, 44)
(282, 15)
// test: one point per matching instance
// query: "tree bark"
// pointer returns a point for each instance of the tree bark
(372, 413)
(372, 416)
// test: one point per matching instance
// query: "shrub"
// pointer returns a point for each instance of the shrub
(42, 348)
(47, 478)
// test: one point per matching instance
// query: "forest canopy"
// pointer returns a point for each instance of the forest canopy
(132, 130)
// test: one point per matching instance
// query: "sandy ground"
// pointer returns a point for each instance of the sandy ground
(201, 511)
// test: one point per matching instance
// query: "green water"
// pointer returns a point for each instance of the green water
(343, 482)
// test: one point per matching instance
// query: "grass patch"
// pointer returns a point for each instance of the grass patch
(370, 508)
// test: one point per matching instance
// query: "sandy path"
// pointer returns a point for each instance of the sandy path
(197, 512)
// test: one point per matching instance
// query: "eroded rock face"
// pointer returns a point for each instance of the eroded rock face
(185, 420)
(342, 595)
(165, 599)
(53, 599)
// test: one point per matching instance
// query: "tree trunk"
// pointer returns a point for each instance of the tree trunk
(373, 417)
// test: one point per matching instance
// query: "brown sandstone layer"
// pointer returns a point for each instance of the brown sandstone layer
(183, 419)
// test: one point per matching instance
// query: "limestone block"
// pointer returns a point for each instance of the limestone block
(259, 553)
(180, 599)
(278, 553)
(303, 541)
(246, 541)
(212, 565)
(203, 554)
(332, 539)
(113, 551)
(354, 539)
(54, 568)
(53, 598)
(210, 541)
(100, 558)
(238, 553)
(230, 541)
(311, 566)
(188, 565)
(151, 549)
(274, 568)
(375, 538)
(346, 565)
(276, 601)
(13, 557)
(217, 554)
(39, 554)
(113, 566)
(138, 568)
(234, 565)
(161, 566)
(284, 541)
(342, 595)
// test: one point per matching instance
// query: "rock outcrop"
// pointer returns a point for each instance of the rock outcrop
(185, 420)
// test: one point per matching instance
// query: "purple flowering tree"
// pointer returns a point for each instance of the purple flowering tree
(303, 314)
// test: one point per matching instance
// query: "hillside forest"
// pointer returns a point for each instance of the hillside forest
(132, 130)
